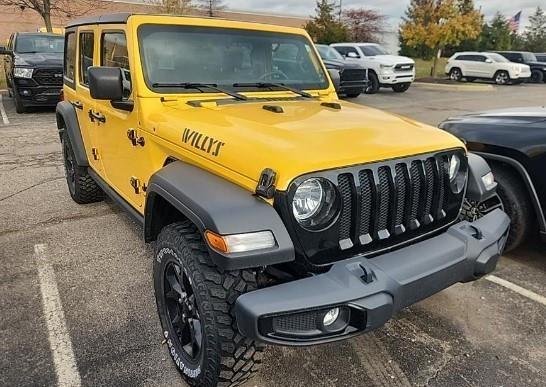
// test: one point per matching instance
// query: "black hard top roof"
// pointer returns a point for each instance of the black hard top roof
(111, 18)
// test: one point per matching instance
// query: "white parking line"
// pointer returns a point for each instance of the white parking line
(59, 339)
(518, 289)
(5, 118)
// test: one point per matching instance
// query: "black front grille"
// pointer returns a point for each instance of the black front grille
(404, 67)
(382, 205)
(348, 75)
(48, 76)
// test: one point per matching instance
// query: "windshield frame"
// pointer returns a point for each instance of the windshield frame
(313, 53)
(39, 36)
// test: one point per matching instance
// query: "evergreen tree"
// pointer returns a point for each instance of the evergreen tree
(535, 33)
(325, 28)
(496, 35)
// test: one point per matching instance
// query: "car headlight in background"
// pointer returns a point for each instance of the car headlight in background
(315, 203)
(457, 174)
(22, 72)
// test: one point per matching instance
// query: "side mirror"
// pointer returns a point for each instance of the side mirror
(352, 55)
(105, 83)
(488, 60)
(4, 51)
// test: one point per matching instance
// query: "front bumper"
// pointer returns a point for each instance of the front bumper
(372, 289)
(395, 77)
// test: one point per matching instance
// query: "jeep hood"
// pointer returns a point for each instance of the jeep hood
(244, 138)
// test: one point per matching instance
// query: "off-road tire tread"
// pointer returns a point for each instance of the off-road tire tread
(87, 190)
(517, 204)
(240, 358)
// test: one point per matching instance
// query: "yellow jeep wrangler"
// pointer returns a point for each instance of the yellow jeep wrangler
(280, 214)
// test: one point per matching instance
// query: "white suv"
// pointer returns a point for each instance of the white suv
(384, 70)
(486, 65)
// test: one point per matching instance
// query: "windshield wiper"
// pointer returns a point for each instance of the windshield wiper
(199, 86)
(264, 85)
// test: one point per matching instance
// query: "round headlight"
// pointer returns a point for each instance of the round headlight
(307, 199)
(315, 203)
(457, 174)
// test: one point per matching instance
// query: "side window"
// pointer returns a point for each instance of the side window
(480, 58)
(114, 54)
(86, 55)
(345, 50)
(69, 58)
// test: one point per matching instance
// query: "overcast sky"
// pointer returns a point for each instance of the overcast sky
(393, 9)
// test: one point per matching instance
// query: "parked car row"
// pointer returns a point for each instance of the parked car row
(502, 67)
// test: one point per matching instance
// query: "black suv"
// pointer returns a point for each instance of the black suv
(538, 69)
(349, 79)
(517, 162)
(33, 64)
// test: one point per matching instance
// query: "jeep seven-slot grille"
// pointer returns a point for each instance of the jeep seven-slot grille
(392, 199)
(380, 206)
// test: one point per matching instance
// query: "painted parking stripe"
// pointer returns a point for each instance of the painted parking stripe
(518, 289)
(5, 118)
(59, 339)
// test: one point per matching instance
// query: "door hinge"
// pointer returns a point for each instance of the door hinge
(135, 183)
(95, 153)
(135, 138)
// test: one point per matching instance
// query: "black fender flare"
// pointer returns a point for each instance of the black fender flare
(522, 172)
(66, 113)
(215, 204)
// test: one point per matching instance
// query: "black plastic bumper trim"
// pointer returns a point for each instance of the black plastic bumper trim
(400, 278)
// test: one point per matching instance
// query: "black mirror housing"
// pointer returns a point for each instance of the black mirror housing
(105, 83)
(4, 51)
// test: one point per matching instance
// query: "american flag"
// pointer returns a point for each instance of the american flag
(513, 23)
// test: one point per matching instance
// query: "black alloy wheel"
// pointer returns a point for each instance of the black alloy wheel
(184, 321)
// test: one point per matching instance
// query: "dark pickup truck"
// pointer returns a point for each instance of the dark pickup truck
(538, 68)
(349, 79)
(33, 64)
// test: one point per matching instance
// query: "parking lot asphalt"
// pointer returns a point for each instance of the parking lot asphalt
(93, 257)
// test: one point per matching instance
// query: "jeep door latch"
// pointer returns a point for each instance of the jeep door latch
(134, 138)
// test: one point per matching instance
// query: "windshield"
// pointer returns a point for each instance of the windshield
(373, 50)
(39, 43)
(174, 54)
(328, 53)
(529, 57)
(498, 58)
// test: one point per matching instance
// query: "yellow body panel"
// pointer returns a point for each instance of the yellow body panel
(238, 139)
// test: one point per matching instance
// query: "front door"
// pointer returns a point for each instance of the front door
(120, 142)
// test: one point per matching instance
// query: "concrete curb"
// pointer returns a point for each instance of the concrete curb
(439, 86)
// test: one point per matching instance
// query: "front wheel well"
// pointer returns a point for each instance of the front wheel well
(159, 213)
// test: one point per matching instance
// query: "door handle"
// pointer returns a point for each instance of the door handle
(96, 116)
(77, 104)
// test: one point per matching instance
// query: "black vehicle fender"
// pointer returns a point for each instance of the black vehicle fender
(524, 175)
(215, 204)
(67, 120)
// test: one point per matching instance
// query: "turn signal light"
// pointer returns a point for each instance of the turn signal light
(239, 243)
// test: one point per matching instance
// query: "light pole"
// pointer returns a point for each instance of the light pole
(340, 9)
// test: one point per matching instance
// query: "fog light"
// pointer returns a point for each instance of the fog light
(25, 92)
(330, 317)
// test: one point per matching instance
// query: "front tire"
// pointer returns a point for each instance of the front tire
(195, 298)
(373, 84)
(83, 189)
(19, 107)
(502, 78)
(352, 95)
(401, 87)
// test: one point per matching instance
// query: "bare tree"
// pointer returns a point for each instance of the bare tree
(48, 8)
(365, 25)
(172, 7)
(212, 6)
